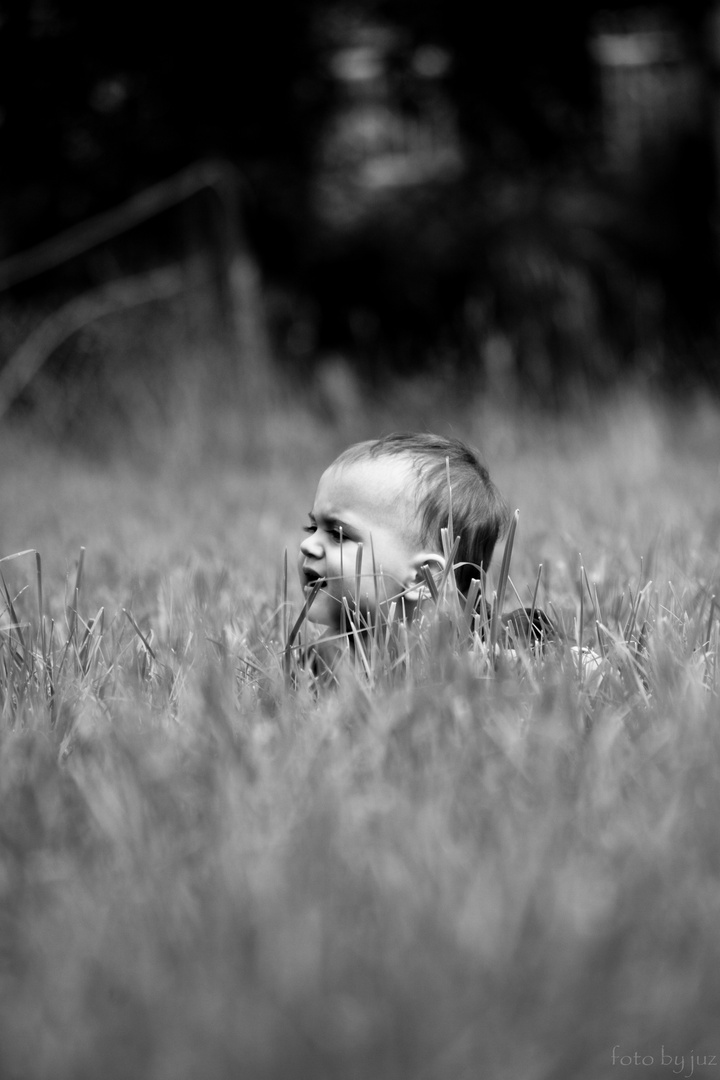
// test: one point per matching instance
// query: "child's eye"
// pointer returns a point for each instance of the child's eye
(336, 533)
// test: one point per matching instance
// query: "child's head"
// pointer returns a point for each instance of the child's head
(391, 496)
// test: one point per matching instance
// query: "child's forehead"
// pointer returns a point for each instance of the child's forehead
(371, 465)
(368, 470)
(369, 483)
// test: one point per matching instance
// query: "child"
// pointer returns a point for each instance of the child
(375, 530)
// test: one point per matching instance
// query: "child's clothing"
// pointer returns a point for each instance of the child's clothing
(524, 628)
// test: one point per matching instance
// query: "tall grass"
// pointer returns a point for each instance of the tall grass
(457, 862)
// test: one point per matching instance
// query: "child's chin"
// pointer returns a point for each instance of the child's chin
(320, 612)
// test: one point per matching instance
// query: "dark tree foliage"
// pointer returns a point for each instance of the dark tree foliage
(101, 99)
(98, 100)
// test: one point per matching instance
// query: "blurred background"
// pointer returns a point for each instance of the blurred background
(345, 204)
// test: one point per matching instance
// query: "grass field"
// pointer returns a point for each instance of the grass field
(469, 872)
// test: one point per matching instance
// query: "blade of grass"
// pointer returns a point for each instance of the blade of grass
(450, 527)
(139, 633)
(518, 597)
(471, 601)
(533, 602)
(625, 631)
(494, 623)
(429, 581)
(484, 612)
(708, 631)
(502, 580)
(12, 612)
(343, 619)
(450, 550)
(43, 643)
(581, 626)
(358, 575)
(601, 644)
(287, 651)
(639, 597)
(359, 648)
(38, 568)
(85, 654)
(17, 555)
(589, 590)
(598, 610)
(284, 617)
(72, 614)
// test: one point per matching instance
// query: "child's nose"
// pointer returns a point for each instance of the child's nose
(311, 546)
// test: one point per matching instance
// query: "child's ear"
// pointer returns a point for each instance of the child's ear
(416, 585)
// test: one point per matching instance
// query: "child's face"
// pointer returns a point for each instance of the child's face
(367, 502)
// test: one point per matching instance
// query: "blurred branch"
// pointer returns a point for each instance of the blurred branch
(219, 175)
(129, 292)
(249, 344)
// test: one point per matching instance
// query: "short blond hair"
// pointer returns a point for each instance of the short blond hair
(479, 513)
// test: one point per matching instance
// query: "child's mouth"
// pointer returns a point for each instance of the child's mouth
(312, 579)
